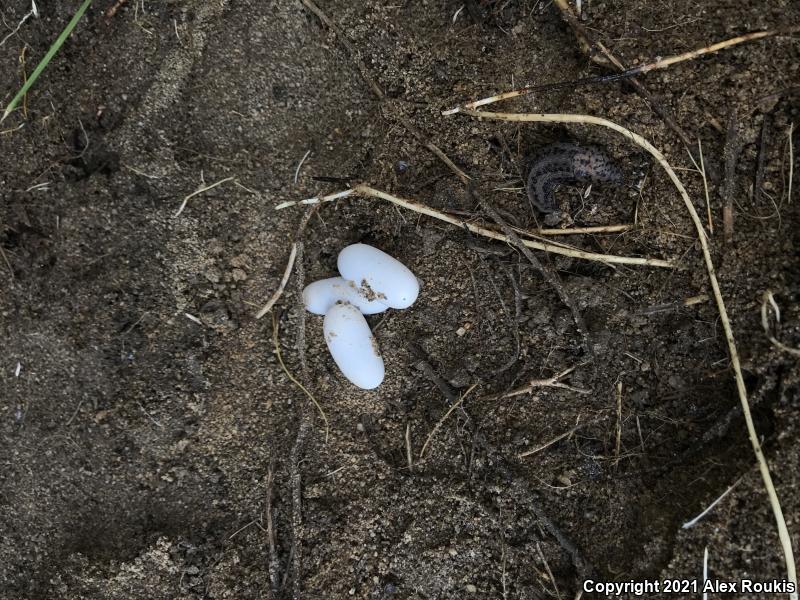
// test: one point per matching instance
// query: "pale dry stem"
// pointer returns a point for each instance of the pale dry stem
(554, 248)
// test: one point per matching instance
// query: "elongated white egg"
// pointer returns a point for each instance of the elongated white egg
(385, 279)
(318, 297)
(353, 346)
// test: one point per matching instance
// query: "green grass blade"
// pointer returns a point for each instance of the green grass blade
(47, 58)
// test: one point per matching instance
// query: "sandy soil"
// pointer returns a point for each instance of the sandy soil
(136, 443)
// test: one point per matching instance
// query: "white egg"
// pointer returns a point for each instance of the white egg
(386, 279)
(319, 296)
(352, 345)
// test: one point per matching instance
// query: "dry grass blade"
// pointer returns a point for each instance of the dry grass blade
(768, 298)
(791, 161)
(365, 190)
(686, 302)
(627, 73)
(662, 63)
(276, 296)
(409, 456)
(618, 437)
(702, 170)
(8, 263)
(200, 190)
(300, 165)
(783, 532)
(33, 12)
(549, 572)
(554, 232)
(292, 377)
(558, 438)
(694, 521)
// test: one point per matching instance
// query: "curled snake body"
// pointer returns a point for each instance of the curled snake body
(567, 163)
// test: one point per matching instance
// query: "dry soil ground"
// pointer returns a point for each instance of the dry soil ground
(136, 443)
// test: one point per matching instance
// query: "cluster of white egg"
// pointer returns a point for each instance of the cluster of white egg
(371, 281)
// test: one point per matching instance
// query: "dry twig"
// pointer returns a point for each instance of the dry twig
(295, 456)
(551, 232)
(549, 572)
(409, 457)
(546, 272)
(607, 57)
(761, 161)
(378, 92)
(593, 230)
(348, 46)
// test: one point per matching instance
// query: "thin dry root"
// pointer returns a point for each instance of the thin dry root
(702, 170)
(365, 190)
(292, 377)
(444, 418)
(558, 438)
(618, 443)
(593, 230)
(200, 190)
(549, 382)
(409, 456)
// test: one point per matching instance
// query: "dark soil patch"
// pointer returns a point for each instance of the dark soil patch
(135, 442)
